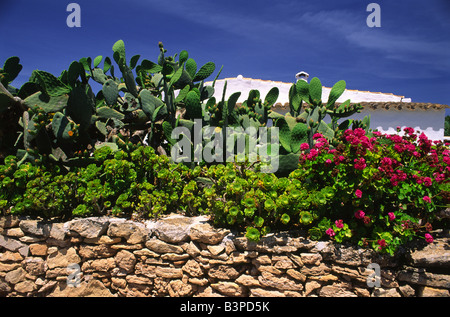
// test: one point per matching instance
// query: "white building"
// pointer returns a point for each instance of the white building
(387, 111)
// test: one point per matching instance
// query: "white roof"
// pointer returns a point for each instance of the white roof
(244, 85)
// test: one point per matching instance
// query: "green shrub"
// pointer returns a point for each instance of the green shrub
(387, 188)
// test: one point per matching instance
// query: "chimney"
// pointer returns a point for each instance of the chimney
(302, 75)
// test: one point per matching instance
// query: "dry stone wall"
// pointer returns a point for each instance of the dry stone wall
(182, 256)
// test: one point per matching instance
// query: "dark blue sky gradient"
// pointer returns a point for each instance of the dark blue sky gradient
(408, 55)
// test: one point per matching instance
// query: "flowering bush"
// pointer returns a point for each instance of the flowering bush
(376, 190)
(387, 188)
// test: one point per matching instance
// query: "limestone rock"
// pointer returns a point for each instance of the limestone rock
(311, 258)
(34, 265)
(262, 260)
(58, 231)
(93, 288)
(103, 240)
(272, 243)
(9, 256)
(223, 272)
(261, 292)
(145, 269)
(248, 280)
(9, 221)
(208, 291)
(97, 251)
(4, 288)
(16, 276)
(434, 292)
(349, 256)
(125, 260)
(133, 232)
(14, 232)
(436, 254)
(335, 291)
(193, 268)
(311, 287)
(192, 249)
(63, 258)
(25, 287)
(283, 262)
(14, 245)
(38, 249)
(407, 291)
(205, 233)
(168, 272)
(159, 246)
(421, 277)
(380, 292)
(92, 227)
(216, 249)
(296, 275)
(174, 257)
(136, 279)
(7, 267)
(173, 229)
(99, 265)
(35, 227)
(280, 283)
(178, 288)
(229, 288)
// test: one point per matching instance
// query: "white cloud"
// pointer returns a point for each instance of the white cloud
(389, 43)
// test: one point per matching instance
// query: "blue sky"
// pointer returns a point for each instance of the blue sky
(408, 55)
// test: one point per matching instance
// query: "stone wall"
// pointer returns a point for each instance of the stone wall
(180, 256)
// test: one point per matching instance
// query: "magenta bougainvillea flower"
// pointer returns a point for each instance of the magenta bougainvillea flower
(387, 170)
(382, 243)
(359, 214)
(304, 146)
(360, 163)
(330, 232)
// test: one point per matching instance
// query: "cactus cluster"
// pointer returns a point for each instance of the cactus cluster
(57, 117)
(306, 118)
(62, 119)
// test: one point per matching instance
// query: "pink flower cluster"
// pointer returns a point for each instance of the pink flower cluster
(320, 142)
(382, 243)
(394, 168)
(330, 232)
(359, 214)
(339, 223)
(360, 163)
(358, 137)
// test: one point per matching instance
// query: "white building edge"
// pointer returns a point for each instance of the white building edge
(387, 111)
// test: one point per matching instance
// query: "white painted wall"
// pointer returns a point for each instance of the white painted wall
(430, 121)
